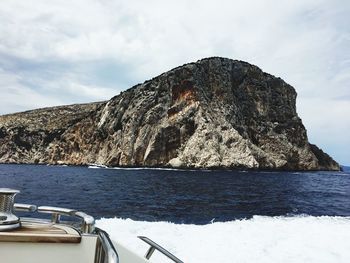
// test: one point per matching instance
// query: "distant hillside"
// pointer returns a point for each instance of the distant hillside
(214, 113)
(345, 168)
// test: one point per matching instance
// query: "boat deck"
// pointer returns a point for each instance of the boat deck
(41, 233)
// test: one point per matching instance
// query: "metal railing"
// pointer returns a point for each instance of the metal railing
(87, 225)
(105, 250)
(154, 246)
(24, 207)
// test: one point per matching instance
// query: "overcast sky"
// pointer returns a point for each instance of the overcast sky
(63, 52)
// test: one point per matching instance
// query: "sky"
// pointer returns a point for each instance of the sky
(63, 52)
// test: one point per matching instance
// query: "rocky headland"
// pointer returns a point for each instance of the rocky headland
(214, 113)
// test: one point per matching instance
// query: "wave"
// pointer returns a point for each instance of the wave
(95, 166)
(259, 239)
(151, 168)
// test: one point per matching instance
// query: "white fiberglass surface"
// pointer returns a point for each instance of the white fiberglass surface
(260, 239)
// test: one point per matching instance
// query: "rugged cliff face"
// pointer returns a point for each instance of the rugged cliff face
(215, 113)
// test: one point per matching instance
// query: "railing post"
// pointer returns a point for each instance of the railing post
(55, 218)
(150, 252)
(155, 246)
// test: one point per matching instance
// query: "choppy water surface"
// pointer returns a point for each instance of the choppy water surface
(180, 196)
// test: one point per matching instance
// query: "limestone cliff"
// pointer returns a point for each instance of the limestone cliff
(214, 113)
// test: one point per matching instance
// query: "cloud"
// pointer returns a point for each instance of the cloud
(88, 50)
(17, 97)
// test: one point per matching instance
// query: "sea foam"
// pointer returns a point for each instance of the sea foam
(260, 239)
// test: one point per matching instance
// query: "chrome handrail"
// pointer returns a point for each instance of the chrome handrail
(24, 207)
(154, 246)
(56, 212)
(87, 226)
(109, 253)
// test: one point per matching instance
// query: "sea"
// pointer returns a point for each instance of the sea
(203, 215)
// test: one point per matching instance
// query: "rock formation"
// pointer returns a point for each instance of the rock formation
(214, 113)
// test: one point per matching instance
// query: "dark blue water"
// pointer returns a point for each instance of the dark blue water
(180, 196)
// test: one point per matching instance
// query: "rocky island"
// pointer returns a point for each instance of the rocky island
(214, 113)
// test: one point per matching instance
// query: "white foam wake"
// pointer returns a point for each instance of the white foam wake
(260, 239)
(95, 166)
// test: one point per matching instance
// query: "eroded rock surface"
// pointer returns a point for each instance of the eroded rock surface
(214, 113)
